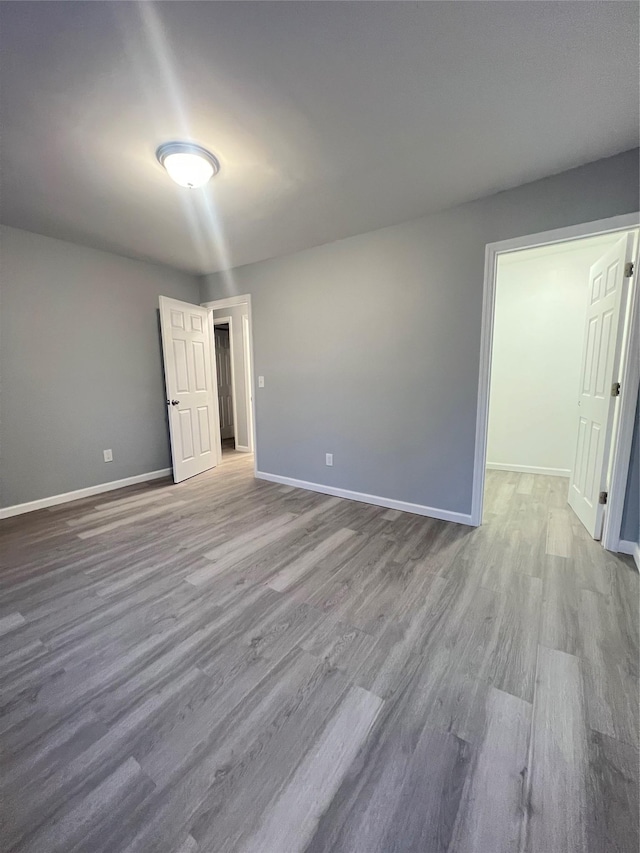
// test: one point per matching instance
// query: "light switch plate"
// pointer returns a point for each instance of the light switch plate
(108, 455)
(329, 459)
(260, 381)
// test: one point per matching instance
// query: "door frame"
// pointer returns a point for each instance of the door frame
(248, 376)
(235, 302)
(619, 451)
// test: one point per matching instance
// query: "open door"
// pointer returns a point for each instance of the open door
(225, 380)
(596, 394)
(190, 386)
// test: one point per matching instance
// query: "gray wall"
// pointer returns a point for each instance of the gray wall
(242, 426)
(80, 365)
(369, 346)
(630, 529)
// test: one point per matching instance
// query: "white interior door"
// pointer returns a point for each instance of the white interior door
(225, 386)
(596, 403)
(190, 386)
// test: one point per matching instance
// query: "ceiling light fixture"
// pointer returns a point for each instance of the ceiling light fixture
(188, 164)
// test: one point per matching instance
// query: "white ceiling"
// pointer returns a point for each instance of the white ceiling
(329, 119)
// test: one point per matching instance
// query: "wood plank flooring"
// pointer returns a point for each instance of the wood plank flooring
(233, 665)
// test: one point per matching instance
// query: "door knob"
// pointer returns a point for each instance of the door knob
(173, 402)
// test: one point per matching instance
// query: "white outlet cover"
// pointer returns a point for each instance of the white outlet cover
(329, 458)
(108, 455)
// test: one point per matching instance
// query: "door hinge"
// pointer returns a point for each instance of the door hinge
(603, 497)
(615, 389)
(628, 269)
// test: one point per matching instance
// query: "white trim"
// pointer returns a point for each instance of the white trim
(626, 222)
(625, 546)
(248, 381)
(252, 362)
(528, 469)
(54, 500)
(229, 302)
(376, 500)
(214, 373)
(220, 321)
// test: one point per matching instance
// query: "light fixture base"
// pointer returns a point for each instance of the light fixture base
(204, 165)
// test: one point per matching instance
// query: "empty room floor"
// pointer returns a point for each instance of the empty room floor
(235, 665)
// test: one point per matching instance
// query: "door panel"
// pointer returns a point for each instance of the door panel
(199, 359)
(204, 428)
(596, 406)
(190, 386)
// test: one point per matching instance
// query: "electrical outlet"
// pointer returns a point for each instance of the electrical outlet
(329, 459)
(260, 381)
(108, 455)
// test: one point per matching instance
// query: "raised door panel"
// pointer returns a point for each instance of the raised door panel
(186, 434)
(182, 385)
(204, 429)
(200, 369)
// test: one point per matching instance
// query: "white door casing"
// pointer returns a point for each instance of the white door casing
(596, 405)
(190, 386)
(246, 342)
(225, 382)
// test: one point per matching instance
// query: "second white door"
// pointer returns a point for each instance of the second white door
(596, 396)
(225, 381)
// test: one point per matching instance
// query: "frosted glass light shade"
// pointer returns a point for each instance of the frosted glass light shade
(188, 165)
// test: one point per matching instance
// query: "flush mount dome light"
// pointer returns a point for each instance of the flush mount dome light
(188, 164)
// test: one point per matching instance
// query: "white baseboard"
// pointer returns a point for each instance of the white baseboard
(528, 469)
(376, 500)
(633, 548)
(54, 500)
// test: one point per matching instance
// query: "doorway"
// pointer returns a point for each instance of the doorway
(560, 337)
(198, 370)
(233, 348)
(224, 368)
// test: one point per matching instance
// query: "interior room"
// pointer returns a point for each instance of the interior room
(541, 302)
(319, 438)
(540, 354)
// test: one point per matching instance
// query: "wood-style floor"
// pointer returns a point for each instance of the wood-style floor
(234, 665)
